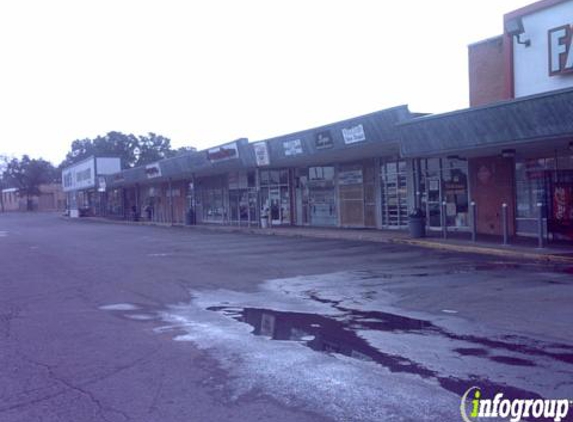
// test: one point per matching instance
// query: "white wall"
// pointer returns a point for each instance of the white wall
(531, 64)
(108, 165)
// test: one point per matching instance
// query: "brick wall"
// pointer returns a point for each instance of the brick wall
(492, 184)
(487, 76)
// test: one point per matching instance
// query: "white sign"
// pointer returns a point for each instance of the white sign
(261, 154)
(153, 170)
(293, 147)
(101, 184)
(79, 176)
(353, 134)
(560, 54)
(547, 63)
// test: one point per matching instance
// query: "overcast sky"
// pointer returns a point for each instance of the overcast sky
(206, 72)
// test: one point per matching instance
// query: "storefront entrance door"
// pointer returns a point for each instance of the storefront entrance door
(433, 203)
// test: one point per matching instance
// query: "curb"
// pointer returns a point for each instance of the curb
(428, 244)
(484, 250)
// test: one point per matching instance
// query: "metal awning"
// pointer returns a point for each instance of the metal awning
(527, 119)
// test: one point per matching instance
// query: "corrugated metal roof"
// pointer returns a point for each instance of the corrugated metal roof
(547, 115)
(380, 135)
(379, 130)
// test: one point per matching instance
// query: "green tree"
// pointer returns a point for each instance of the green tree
(152, 148)
(3, 182)
(27, 174)
(132, 150)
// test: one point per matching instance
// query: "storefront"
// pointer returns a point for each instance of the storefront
(547, 181)
(212, 199)
(243, 198)
(275, 194)
(85, 185)
(316, 202)
(443, 191)
(356, 192)
(393, 194)
(512, 165)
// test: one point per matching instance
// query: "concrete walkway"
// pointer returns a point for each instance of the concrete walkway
(522, 249)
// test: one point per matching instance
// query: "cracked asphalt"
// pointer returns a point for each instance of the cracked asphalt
(63, 358)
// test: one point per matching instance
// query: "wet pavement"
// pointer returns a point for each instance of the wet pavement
(115, 323)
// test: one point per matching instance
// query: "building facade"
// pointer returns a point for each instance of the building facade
(514, 145)
(51, 198)
(505, 162)
(345, 174)
(84, 182)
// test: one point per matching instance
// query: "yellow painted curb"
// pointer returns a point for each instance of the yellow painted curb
(485, 250)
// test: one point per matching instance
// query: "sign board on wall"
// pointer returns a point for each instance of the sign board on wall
(83, 174)
(79, 176)
(546, 64)
(353, 134)
(292, 147)
(153, 170)
(350, 177)
(560, 51)
(261, 154)
(223, 153)
(323, 140)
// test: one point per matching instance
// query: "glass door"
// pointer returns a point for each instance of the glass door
(433, 202)
(394, 194)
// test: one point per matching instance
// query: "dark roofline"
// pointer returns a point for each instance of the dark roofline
(339, 122)
(497, 104)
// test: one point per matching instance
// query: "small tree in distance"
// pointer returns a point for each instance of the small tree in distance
(27, 174)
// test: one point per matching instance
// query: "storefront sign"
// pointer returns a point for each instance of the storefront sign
(293, 147)
(323, 140)
(262, 154)
(153, 170)
(223, 153)
(350, 177)
(560, 51)
(353, 134)
(101, 184)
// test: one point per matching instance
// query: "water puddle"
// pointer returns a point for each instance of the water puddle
(338, 335)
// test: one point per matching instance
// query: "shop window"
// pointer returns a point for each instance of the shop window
(530, 185)
(394, 201)
(321, 173)
(444, 180)
(251, 179)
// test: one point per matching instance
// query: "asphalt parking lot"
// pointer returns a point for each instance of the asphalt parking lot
(107, 322)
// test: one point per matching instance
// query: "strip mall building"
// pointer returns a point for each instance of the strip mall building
(513, 146)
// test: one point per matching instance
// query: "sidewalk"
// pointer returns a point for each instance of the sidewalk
(487, 245)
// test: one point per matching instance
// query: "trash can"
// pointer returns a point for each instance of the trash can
(264, 222)
(417, 224)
